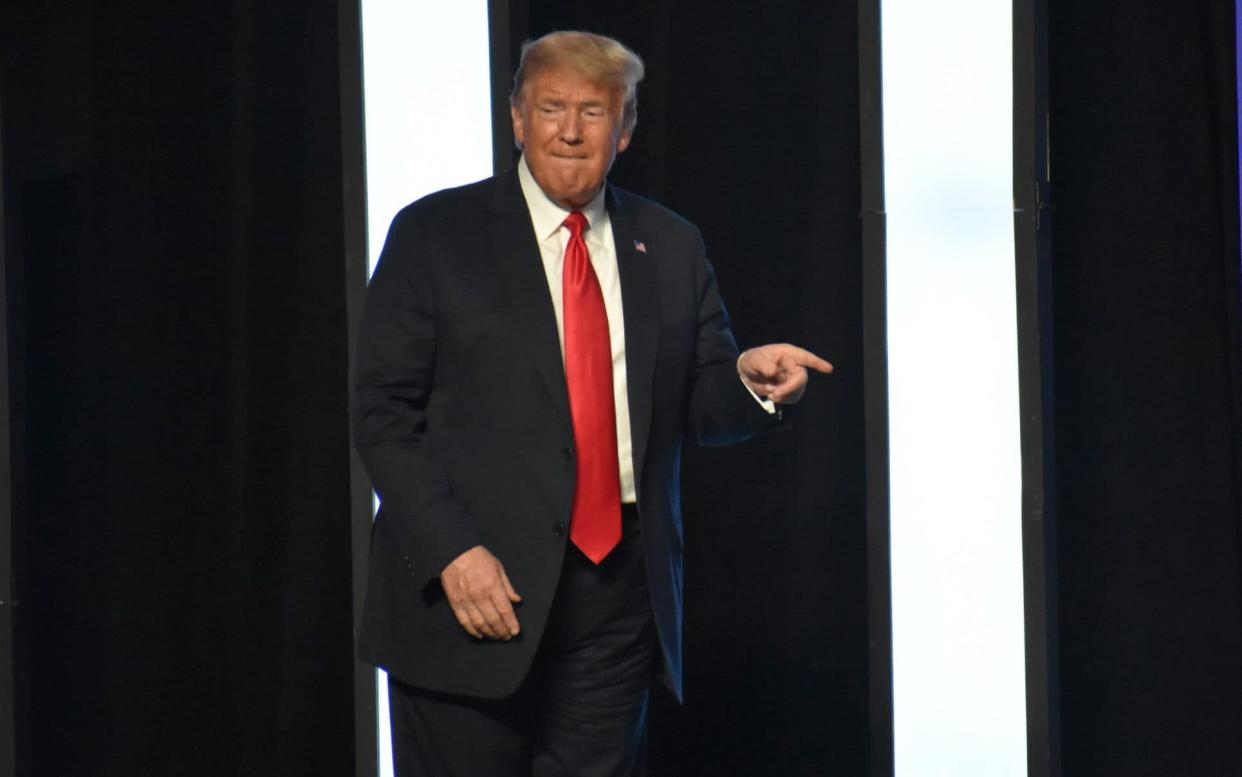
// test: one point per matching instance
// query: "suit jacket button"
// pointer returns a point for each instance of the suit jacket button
(558, 529)
(567, 453)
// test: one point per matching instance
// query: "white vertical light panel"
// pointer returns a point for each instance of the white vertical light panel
(427, 91)
(955, 475)
(427, 97)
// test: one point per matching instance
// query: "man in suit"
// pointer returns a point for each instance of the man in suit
(534, 349)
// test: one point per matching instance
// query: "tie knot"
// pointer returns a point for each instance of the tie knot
(576, 222)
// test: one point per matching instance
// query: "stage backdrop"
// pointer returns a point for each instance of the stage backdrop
(1145, 303)
(172, 192)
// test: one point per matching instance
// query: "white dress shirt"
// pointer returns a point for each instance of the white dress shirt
(548, 220)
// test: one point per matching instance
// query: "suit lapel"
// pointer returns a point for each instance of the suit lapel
(517, 252)
(640, 299)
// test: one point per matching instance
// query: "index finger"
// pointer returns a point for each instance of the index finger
(807, 359)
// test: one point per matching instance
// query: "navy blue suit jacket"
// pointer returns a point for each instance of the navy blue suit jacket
(461, 417)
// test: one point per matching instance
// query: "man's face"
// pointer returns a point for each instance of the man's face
(570, 132)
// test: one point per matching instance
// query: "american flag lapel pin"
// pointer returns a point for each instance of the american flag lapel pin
(640, 246)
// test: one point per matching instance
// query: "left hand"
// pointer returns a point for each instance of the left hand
(779, 372)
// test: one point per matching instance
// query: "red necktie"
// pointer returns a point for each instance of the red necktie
(595, 526)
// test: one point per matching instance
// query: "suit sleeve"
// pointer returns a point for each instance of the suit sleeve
(393, 378)
(720, 409)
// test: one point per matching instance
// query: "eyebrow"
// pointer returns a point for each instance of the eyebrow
(561, 101)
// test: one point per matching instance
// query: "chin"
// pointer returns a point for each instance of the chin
(571, 198)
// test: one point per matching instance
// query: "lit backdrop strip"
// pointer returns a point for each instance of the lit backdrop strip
(955, 459)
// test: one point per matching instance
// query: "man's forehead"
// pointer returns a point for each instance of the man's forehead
(565, 82)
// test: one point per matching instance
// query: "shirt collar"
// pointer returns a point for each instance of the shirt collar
(546, 216)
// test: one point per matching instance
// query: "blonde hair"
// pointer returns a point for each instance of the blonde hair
(597, 58)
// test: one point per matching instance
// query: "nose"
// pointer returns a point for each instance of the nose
(570, 130)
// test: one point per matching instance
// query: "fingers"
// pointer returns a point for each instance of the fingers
(467, 620)
(805, 358)
(770, 361)
(790, 389)
(762, 365)
(791, 355)
(506, 622)
(481, 596)
(779, 371)
(494, 625)
(489, 615)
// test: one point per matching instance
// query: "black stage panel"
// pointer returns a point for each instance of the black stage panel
(1145, 318)
(173, 204)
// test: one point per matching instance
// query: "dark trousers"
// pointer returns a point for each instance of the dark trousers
(582, 709)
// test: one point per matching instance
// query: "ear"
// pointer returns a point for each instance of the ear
(623, 142)
(519, 133)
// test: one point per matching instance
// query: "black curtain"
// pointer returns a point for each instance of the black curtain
(748, 126)
(1145, 301)
(173, 193)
